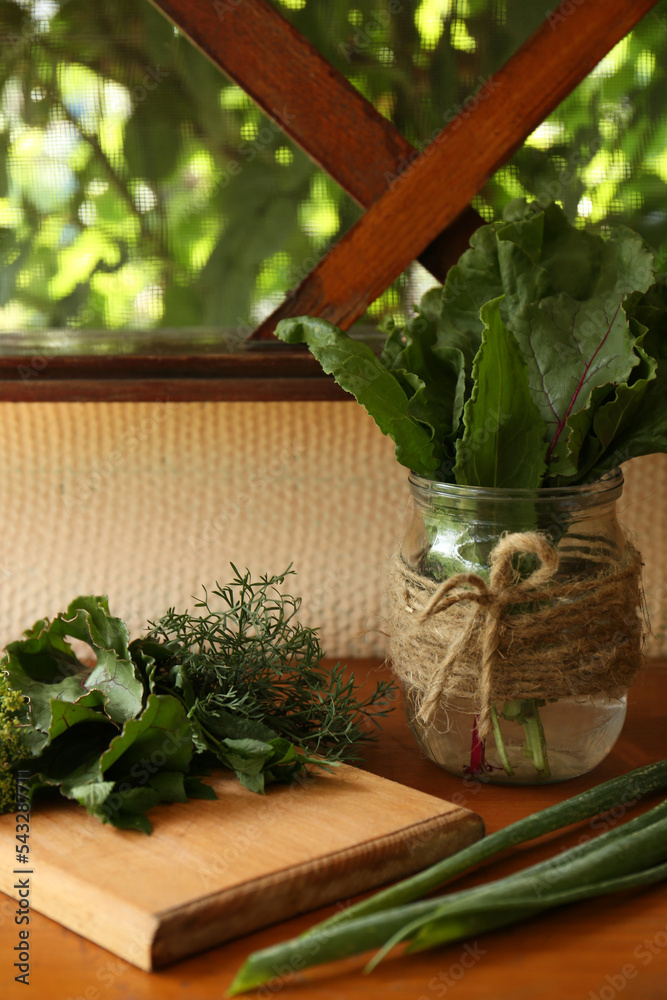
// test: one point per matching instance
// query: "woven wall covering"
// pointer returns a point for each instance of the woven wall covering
(146, 502)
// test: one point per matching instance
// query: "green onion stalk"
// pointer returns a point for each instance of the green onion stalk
(627, 856)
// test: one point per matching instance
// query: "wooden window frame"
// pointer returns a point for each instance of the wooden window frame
(424, 208)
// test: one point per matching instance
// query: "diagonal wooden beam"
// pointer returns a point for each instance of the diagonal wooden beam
(429, 195)
(311, 101)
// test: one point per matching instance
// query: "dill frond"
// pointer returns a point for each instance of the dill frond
(251, 661)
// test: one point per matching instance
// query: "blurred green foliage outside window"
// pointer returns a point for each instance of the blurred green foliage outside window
(140, 189)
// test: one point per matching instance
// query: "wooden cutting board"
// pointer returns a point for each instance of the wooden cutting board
(214, 870)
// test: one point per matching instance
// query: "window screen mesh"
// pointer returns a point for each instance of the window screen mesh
(140, 189)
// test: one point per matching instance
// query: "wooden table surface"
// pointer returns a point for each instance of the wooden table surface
(595, 950)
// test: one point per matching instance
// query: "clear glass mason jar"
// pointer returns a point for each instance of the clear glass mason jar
(453, 530)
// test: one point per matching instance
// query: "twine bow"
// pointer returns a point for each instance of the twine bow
(505, 588)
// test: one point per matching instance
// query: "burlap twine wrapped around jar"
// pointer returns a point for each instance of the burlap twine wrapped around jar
(536, 637)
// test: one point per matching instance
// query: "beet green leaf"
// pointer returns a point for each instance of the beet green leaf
(504, 442)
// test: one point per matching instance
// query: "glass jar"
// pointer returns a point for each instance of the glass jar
(534, 736)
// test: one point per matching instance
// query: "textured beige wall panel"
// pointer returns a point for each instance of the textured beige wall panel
(147, 502)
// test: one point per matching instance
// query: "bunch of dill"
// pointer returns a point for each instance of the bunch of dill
(251, 678)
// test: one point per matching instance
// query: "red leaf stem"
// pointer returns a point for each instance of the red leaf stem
(561, 425)
(478, 763)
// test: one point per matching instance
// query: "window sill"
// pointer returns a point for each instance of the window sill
(95, 367)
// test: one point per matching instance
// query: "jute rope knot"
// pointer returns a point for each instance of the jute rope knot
(580, 635)
(505, 589)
